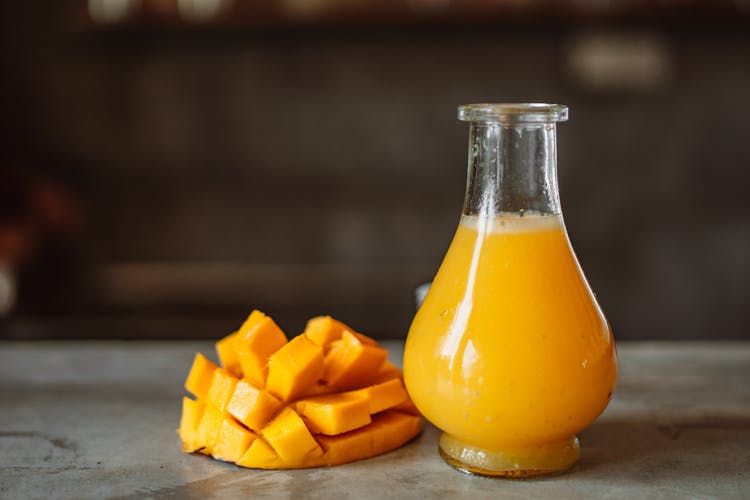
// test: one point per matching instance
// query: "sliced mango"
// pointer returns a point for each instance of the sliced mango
(318, 389)
(255, 346)
(387, 372)
(290, 438)
(228, 356)
(353, 362)
(347, 447)
(407, 406)
(192, 412)
(388, 431)
(294, 368)
(334, 413)
(221, 389)
(226, 350)
(252, 406)
(391, 429)
(253, 319)
(232, 441)
(383, 396)
(199, 378)
(364, 338)
(327, 397)
(208, 429)
(324, 329)
(260, 455)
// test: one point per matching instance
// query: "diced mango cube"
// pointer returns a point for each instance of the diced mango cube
(383, 396)
(391, 429)
(192, 412)
(294, 368)
(232, 442)
(252, 406)
(253, 319)
(324, 329)
(387, 431)
(208, 429)
(317, 389)
(290, 438)
(255, 346)
(363, 338)
(387, 372)
(199, 379)
(334, 413)
(407, 406)
(226, 348)
(228, 356)
(352, 363)
(342, 448)
(260, 455)
(221, 389)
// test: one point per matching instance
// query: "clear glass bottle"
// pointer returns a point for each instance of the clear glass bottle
(510, 354)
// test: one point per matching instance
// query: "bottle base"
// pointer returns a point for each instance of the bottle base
(540, 460)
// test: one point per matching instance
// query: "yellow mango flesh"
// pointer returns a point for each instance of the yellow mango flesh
(353, 361)
(407, 406)
(391, 429)
(335, 413)
(253, 319)
(260, 455)
(388, 431)
(252, 406)
(232, 441)
(387, 372)
(255, 346)
(294, 368)
(221, 389)
(226, 350)
(208, 429)
(290, 438)
(342, 448)
(383, 396)
(324, 329)
(228, 356)
(289, 408)
(201, 374)
(364, 339)
(192, 413)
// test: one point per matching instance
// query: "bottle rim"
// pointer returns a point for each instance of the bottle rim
(524, 112)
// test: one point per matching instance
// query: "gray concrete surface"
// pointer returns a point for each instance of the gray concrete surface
(97, 420)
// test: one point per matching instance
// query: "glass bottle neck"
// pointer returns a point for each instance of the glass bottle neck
(512, 169)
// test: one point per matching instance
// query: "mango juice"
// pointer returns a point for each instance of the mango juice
(510, 350)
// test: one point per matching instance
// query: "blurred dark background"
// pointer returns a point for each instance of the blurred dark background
(167, 165)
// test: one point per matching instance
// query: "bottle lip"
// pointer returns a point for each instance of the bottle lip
(523, 112)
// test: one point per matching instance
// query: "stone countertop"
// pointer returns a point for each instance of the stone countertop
(98, 420)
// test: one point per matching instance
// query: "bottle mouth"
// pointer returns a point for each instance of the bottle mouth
(524, 112)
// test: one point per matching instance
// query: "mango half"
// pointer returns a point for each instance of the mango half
(327, 397)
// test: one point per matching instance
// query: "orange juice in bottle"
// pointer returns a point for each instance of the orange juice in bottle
(510, 355)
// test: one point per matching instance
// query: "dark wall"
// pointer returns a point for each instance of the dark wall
(309, 171)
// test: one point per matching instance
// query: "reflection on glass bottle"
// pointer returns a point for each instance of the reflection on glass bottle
(510, 354)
